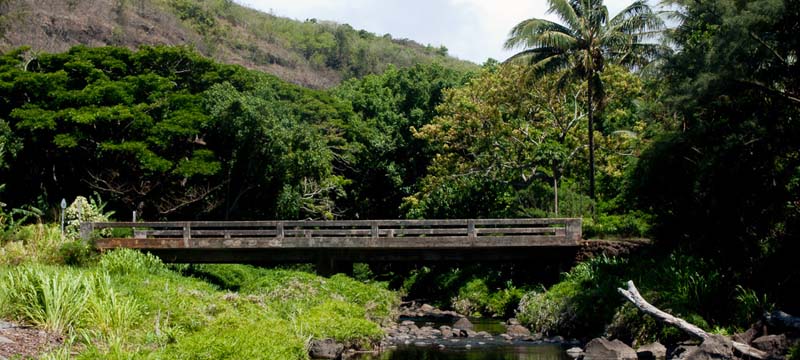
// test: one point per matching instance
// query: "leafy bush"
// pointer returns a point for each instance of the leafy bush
(586, 300)
(76, 252)
(504, 302)
(632, 224)
(85, 210)
(472, 298)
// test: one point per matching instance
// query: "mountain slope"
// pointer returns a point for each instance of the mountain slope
(313, 53)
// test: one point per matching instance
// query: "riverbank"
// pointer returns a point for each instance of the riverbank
(125, 304)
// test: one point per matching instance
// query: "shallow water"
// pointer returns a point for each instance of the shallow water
(477, 352)
(472, 348)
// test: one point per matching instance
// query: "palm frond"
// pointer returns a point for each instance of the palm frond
(637, 18)
(526, 33)
(638, 55)
(566, 12)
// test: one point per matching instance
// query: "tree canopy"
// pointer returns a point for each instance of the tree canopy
(579, 47)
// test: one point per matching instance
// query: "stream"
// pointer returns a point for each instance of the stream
(477, 348)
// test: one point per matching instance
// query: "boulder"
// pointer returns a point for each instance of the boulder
(426, 308)
(517, 331)
(713, 347)
(446, 331)
(652, 351)
(463, 323)
(681, 351)
(325, 349)
(575, 352)
(506, 337)
(513, 321)
(604, 349)
(5, 340)
(772, 344)
(555, 339)
(746, 337)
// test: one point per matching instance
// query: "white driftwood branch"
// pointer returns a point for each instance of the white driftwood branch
(632, 294)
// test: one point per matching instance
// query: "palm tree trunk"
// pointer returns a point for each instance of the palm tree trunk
(591, 134)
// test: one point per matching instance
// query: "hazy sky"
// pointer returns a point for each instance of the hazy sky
(471, 29)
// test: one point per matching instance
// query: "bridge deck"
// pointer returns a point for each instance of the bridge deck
(349, 240)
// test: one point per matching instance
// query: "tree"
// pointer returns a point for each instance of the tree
(579, 48)
(498, 149)
(727, 185)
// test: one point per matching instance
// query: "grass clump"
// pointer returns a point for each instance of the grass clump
(130, 305)
(46, 297)
(128, 261)
(36, 243)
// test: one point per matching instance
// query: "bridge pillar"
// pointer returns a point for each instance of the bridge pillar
(328, 266)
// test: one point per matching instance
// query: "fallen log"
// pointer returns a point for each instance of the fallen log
(632, 294)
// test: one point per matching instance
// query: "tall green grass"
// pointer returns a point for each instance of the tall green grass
(53, 299)
(130, 305)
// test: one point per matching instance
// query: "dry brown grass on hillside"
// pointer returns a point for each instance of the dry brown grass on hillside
(55, 26)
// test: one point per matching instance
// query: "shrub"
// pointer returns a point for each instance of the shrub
(82, 210)
(76, 252)
(503, 302)
(472, 298)
(632, 224)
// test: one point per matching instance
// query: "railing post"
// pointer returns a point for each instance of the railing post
(374, 230)
(572, 230)
(279, 229)
(187, 233)
(86, 230)
(471, 233)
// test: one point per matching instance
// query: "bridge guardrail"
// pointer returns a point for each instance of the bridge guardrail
(342, 233)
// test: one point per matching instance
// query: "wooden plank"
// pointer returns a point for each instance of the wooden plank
(324, 232)
(517, 230)
(438, 242)
(434, 231)
(532, 221)
(224, 232)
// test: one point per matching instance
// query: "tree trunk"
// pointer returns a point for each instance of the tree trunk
(632, 294)
(555, 189)
(590, 109)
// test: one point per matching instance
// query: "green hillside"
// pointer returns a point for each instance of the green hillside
(317, 54)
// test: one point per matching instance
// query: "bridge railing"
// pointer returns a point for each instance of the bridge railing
(565, 231)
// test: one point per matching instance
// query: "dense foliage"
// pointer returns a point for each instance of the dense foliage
(726, 185)
(168, 133)
(318, 54)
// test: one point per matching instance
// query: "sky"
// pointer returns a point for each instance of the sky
(473, 30)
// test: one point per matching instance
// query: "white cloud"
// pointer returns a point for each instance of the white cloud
(471, 29)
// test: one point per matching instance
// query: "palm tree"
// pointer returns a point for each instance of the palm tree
(580, 46)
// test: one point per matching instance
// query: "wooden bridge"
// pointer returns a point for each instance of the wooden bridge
(333, 243)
